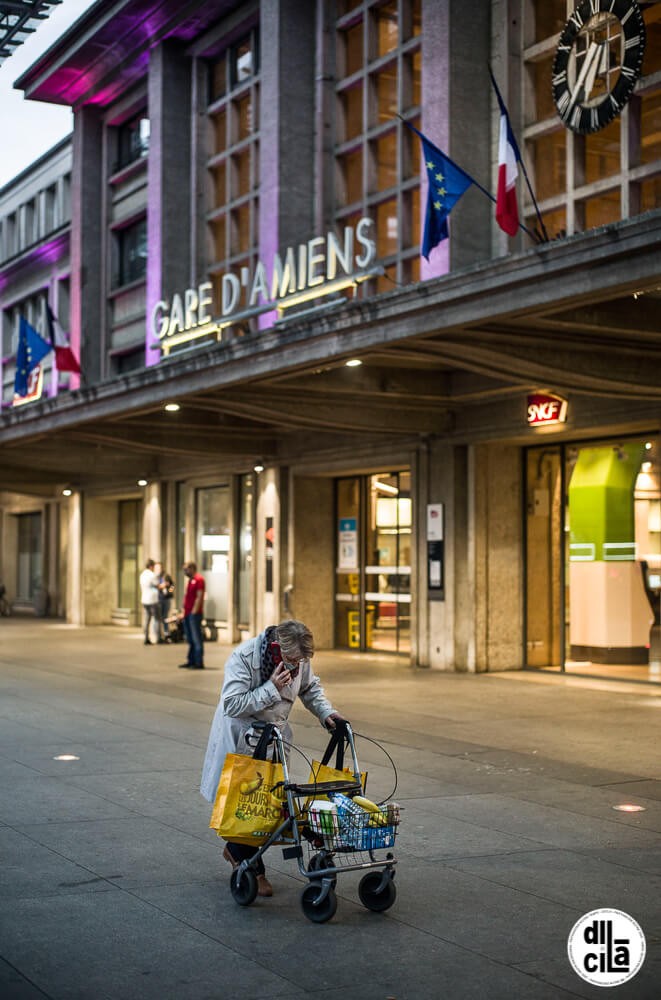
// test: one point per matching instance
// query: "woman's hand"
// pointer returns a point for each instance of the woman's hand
(330, 720)
(281, 676)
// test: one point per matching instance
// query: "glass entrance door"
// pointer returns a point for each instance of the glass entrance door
(373, 569)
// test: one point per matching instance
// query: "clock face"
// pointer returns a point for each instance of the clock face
(597, 62)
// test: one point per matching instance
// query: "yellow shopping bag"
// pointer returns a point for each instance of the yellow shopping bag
(248, 807)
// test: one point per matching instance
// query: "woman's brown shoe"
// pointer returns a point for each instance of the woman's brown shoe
(228, 857)
(264, 887)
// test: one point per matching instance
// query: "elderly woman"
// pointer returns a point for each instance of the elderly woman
(263, 678)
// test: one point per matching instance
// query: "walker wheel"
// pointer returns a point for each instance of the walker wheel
(370, 897)
(319, 861)
(322, 912)
(244, 886)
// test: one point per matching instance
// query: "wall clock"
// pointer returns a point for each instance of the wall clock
(597, 63)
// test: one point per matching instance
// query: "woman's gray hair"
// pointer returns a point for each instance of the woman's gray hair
(295, 639)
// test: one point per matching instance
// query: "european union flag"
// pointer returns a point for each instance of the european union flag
(31, 349)
(447, 183)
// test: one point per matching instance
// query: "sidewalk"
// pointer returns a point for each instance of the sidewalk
(113, 888)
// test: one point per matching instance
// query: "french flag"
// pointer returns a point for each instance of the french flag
(65, 359)
(507, 209)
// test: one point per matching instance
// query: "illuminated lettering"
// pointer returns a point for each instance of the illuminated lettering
(364, 260)
(315, 277)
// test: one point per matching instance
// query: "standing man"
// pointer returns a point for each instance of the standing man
(149, 597)
(192, 617)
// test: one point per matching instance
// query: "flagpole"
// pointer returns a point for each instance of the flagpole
(472, 179)
(523, 166)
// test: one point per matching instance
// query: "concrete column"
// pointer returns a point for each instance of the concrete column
(456, 96)
(152, 522)
(51, 575)
(287, 117)
(75, 604)
(169, 178)
(267, 494)
(313, 543)
(87, 234)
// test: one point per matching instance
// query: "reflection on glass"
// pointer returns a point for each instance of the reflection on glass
(650, 128)
(386, 228)
(351, 102)
(602, 152)
(240, 240)
(385, 84)
(218, 179)
(241, 173)
(602, 210)
(351, 177)
(218, 79)
(385, 152)
(387, 28)
(548, 154)
(218, 235)
(213, 548)
(550, 18)
(219, 122)
(353, 48)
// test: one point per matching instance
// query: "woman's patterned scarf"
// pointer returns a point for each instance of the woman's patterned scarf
(266, 654)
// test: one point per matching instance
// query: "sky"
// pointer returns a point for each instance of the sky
(30, 128)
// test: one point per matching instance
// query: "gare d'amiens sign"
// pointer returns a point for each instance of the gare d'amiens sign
(312, 270)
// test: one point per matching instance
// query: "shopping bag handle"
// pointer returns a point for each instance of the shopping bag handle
(261, 750)
(337, 742)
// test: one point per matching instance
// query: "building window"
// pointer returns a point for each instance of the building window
(50, 209)
(132, 140)
(377, 159)
(583, 181)
(132, 252)
(233, 162)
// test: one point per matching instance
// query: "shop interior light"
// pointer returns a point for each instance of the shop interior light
(67, 492)
(646, 466)
(629, 807)
(142, 482)
(648, 445)
(258, 466)
(172, 407)
(353, 363)
(386, 488)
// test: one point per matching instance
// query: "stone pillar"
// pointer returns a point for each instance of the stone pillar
(152, 523)
(287, 117)
(456, 95)
(75, 605)
(169, 179)
(312, 534)
(87, 317)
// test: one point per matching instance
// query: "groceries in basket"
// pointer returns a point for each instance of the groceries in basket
(362, 824)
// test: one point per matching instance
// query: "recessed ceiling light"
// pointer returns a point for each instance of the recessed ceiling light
(66, 756)
(353, 362)
(258, 466)
(67, 493)
(172, 407)
(629, 807)
(142, 482)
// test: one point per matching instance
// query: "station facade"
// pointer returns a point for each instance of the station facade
(456, 460)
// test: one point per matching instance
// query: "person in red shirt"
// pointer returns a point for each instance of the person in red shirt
(192, 617)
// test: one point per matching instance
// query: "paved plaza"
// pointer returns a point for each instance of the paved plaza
(112, 887)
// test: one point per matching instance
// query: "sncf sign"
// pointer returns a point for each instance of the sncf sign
(544, 409)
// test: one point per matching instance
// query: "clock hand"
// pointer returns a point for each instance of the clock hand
(589, 62)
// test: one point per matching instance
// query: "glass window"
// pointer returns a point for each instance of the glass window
(385, 87)
(387, 28)
(650, 194)
(384, 156)
(132, 140)
(386, 228)
(213, 512)
(129, 561)
(132, 243)
(544, 103)
(550, 18)
(549, 164)
(384, 151)
(352, 108)
(351, 176)
(601, 210)
(652, 59)
(650, 122)
(234, 157)
(351, 47)
(29, 557)
(602, 152)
